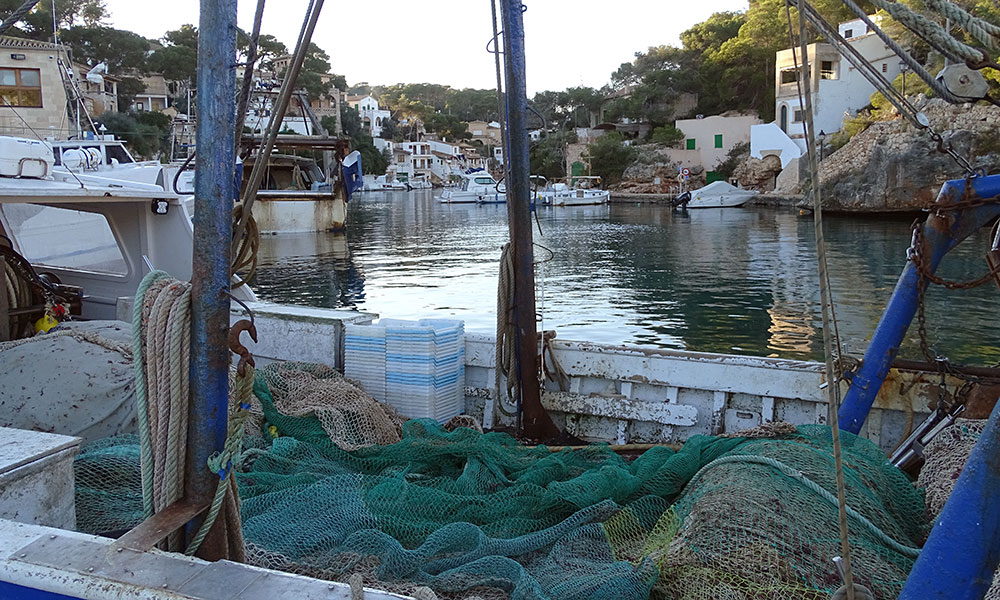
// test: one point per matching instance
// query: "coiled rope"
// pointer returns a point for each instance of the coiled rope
(161, 347)
(245, 256)
(506, 352)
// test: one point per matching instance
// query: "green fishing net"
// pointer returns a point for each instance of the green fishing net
(469, 514)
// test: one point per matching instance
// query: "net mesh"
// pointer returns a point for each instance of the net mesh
(469, 514)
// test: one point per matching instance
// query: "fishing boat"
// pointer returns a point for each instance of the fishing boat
(478, 187)
(450, 508)
(718, 194)
(295, 197)
(576, 193)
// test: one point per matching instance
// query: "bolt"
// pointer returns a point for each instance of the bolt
(52, 537)
(963, 79)
(90, 569)
(24, 555)
(119, 549)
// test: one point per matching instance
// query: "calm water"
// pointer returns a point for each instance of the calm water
(739, 281)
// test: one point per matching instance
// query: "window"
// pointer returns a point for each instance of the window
(21, 87)
(885, 67)
(65, 238)
(797, 118)
(789, 75)
(718, 140)
(689, 144)
(826, 70)
(848, 33)
(784, 118)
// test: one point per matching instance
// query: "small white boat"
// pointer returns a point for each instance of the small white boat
(718, 194)
(419, 182)
(475, 188)
(561, 194)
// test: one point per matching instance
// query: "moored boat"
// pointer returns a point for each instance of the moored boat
(718, 194)
(478, 187)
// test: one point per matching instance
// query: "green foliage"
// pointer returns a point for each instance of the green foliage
(447, 126)
(737, 154)
(123, 51)
(548, 155)
(609, 156)
(666, 134)
(315, 66)
(390, 130)
(372, 161)
(268, 49)
(178, 59)
(147, 135)
(128, 89)
(570, 108)
(37, 24)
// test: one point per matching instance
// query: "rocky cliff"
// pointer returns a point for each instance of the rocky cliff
(892, 166)
(652, 163)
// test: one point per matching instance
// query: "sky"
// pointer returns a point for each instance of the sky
(568, 42)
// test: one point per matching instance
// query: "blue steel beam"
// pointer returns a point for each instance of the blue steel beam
(961, 555)
(941, 233)
(213, 223)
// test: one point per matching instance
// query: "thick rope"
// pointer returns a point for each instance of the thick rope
(161, 341)
(984, 31)
(811, 485)
(934, 34)
(145, 445)
(221, 463)
(505, 349)
(245, 257)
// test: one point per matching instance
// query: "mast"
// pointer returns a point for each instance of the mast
(536, 422)
(213, 224)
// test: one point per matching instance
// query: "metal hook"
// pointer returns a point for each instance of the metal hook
(246, 358)
(493, 41)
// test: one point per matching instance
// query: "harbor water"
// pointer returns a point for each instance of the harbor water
(735, 281)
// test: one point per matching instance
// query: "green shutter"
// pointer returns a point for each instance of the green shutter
(718, 140)
(690, 144)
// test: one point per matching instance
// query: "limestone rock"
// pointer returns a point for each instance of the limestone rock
(894, 166)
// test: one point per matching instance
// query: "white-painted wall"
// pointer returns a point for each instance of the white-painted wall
(769, 140)
(838, 92)
(733, 129)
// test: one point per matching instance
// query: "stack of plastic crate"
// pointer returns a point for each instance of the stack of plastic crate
(364, 360)
(425, 367)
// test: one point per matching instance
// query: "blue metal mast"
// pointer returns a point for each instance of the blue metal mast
(213, 222)
(942, 231)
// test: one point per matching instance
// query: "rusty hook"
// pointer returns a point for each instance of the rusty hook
(246, 358)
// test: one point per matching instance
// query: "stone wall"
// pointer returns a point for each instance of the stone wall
(892, 166)
(654, 163)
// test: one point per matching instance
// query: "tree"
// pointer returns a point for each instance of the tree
(37, 24)
(123, 51)
(372, 161)
(609, 156)
(268, 49)
(390, 130)
(447, 126)
(128, 89)
(178, 59)
(145, 137)
(548, 155)
(315, 66)
(666, 134)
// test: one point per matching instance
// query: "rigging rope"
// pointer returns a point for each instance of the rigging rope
(826, 300)
(506, 351)
(245, 257)
(161, 346)
(931, 32)
(17, 15)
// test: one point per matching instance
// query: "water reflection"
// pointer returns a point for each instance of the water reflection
(730, 280)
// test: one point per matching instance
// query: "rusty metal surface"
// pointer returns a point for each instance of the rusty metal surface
(154, 529)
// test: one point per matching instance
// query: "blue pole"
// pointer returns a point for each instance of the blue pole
(941, 233)
(961, 555)
(213, 222)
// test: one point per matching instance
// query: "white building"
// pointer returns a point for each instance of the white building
(713, 137)
(838, 89)
(372, 117)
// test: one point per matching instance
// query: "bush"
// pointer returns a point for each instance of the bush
(666, 134)
(609, 157)
(146, 135)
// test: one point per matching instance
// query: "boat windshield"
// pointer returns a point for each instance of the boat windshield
(485, 181)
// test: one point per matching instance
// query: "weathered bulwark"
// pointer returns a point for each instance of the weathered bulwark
(36, 477)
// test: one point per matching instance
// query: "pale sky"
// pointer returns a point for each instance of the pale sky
(568, 42)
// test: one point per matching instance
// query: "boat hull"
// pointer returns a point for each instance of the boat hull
(725, 201)
(292, 213)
